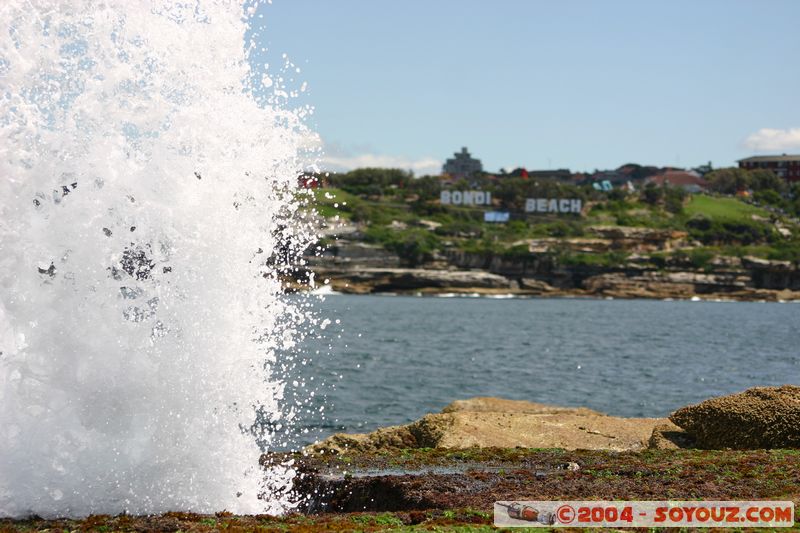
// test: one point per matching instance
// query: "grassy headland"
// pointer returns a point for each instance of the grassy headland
(404, 216)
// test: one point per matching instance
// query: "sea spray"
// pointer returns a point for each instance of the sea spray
(143, 193)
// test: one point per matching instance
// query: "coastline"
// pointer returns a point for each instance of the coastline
(371, 245)
(359, 280)
(621, 263)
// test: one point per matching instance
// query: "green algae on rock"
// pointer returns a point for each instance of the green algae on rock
(760, 417)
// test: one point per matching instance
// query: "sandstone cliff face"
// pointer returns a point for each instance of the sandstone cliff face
(774, 275)
(640, 239)
(361, 268)
(723, 274)
(557, 267)
(367, 280)
(346, 253)
(656, 284)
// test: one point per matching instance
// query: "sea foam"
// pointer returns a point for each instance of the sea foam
(146, 178)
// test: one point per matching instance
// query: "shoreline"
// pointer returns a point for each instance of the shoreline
(353, 286)
(610, 262)
(478, 294)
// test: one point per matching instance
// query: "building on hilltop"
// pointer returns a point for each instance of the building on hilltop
(688, 181)
(703, 169)
(614, 177)
(629, 172)
(561, 174)
(784, 166)
(463, 165)
(636, 172)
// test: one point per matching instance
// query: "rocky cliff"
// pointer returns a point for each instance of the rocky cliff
(610, 261)
(361, 269)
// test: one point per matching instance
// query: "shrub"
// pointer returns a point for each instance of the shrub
(652, 194)
(460, 228)
(607, 259)
(520, 250)
(413, 246)
(770, 197)
(369, 181)
(674, 198)
(563, 228)
(741, 231)
(785, 252)
(697, 257)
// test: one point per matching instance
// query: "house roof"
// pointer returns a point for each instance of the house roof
(678, 178)
(770, 158)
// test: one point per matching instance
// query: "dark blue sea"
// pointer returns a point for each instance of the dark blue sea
(392, 359)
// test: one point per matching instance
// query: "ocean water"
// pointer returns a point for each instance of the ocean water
(392, 359)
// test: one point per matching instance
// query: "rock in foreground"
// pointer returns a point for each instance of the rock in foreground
(453, 490)
(493, 422)
(761, 417)
(445, 479)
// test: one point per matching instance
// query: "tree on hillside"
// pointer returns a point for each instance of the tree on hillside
(728, 180)
(732, 180)
(652, 194)
(766, 180)
(637, 172)
(674, 198)
(427, 187)
(617, 195)
(370, 180)
(794, 199)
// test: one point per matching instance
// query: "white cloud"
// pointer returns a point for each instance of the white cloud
(348, 162)
(774, 140)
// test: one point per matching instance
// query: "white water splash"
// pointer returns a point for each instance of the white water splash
(142, 191)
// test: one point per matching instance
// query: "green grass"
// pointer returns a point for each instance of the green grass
(722, 209)
(721, 224)
(605, 259)
(331, 202)
(380, 519)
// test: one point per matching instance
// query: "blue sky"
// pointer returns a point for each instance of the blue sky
(560, 84)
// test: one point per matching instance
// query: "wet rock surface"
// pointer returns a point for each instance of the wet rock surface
(443, 479)
(453, 490)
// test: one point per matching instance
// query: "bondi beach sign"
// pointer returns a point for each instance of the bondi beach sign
(553, 205)
(465, 198)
